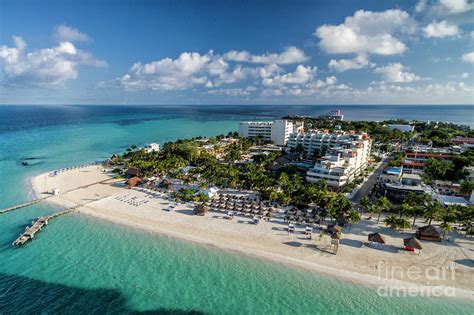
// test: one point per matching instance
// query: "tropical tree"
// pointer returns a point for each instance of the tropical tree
(391, 221)
(341, 204)
(467, 187)
(273, 196)
(382, 204)
(353, 217)
(403, 224)
(404, 208)
(365, 203)
(432, 211)
(446, 227)
(438, 168)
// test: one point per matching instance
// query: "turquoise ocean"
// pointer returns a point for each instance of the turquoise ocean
(87, 266)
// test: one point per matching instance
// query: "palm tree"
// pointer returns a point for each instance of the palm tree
(438, 168)
(412, 199)
(467, 187)
(446, 227)
(353, 217)
(341, 204)
(365, 203)
(404, 209)
(432, 211)
(383, 204)
(403, 224)
(391, 221)
(415, 212)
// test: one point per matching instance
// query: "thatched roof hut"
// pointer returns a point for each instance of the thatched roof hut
(201, 209)
(376, 238)
(412, 242)
(429, 233)
(132, 172)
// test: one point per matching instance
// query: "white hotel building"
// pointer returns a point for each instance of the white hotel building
(346, 156)
(277, 131)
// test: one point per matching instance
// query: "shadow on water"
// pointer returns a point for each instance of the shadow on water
(21, 295)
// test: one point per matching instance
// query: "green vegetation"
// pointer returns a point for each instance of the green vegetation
(440, 134)
(416, 206)
(222, 166)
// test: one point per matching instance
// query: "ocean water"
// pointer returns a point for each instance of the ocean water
(84, 265)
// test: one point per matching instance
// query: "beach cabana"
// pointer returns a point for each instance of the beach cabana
(132, 172)
(429, 233)
(376, 240)
(411, 244)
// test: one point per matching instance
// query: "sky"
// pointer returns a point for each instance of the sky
(237, 52)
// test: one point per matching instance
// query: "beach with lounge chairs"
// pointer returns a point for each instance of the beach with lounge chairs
(242, 222)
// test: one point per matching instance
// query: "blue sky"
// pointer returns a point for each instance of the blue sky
(237, 52)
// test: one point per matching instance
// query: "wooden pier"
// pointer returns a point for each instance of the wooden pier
(37, 226)
(26, 204)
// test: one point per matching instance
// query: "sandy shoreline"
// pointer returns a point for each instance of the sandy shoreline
(355, 262)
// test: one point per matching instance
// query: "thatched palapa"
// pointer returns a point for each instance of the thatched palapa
(429, 233)
(376, 238)
(412, 242)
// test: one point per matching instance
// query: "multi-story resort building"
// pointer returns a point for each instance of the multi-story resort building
(344, 155)
(415, 161)
(277, 131)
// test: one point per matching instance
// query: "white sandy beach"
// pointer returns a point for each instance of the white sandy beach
(112, 201)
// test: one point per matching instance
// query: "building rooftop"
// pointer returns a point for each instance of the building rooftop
(411, 176)
(452, 200)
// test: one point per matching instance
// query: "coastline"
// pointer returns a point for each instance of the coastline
(370, 281)
(207, 231)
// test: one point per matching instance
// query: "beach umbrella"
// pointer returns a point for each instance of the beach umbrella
(412, 242)
(377, 238)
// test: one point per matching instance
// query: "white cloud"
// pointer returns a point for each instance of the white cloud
(209, 70)
(465, 75)
(440, 29)
(290, 56)
(64, 33)
(456, 6)
(468, 57)
(19, 42)
(187, 70)
(396, 72)
(48, 67)
(270, 70)
(234, 92)
(420, 6)
(322, 83)
(341, 65)
(367, 32)
(302, 74)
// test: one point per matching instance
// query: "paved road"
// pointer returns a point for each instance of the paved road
(369, 183)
